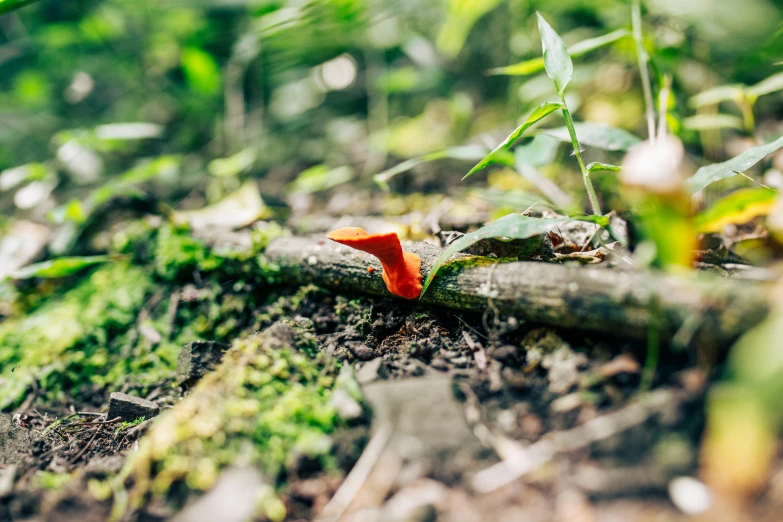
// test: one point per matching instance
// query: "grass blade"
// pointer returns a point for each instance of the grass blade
(578, 49)
(769, 85)
(59, 267)
(467, 152)
(701, 122)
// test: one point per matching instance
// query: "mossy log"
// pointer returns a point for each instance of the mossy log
(702, 309)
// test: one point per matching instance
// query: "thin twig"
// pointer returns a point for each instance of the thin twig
(357, 477)
(81, 452)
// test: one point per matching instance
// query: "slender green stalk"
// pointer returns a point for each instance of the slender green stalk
(578, 153)
(663, 105)
(641, 54)
(748, 119)
(653, 353)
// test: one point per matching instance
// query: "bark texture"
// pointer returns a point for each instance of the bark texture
(703, 309)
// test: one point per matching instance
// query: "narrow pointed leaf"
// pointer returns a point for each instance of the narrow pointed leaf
(717, 171)
(712, 121)
(769, 85)
(596, 135)
(597, 166)
(60, 267)
(578, 49)
(716, 95)
(513, 226)
(466, 152)
(557, 61)
(501, 153)
(738, 207)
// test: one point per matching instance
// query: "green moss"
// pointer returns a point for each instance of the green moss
(263, 405)
(177, 253)
(76, 338)
(51, 481)
(357, 312)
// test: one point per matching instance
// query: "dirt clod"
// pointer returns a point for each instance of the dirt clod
(15, 441)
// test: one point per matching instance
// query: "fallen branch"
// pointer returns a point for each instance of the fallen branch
(596, 299)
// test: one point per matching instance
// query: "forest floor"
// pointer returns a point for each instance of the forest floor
(321, 405)
(464, 417)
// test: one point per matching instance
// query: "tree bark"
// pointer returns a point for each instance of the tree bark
(707, 310)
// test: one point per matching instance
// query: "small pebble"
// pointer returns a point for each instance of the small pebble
(130, 408)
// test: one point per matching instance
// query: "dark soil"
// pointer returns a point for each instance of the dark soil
(515, 384)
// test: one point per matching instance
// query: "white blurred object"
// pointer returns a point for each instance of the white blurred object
(81, 86)
(655, 166)
(33, 194)
(339, 73)
(128, 131)
(690, 495)
(234, 498)
(21, 244)
(82, 163)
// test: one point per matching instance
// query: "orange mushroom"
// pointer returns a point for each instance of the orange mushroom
(401, 270)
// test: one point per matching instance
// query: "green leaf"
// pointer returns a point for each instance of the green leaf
(460, 18)
(513, 226)
(597, 166)
(73, 211)
(6, 6)
(500, 154)
(320, 178)
(578, 49)
(717, 171)
(234, 165)
(239, 209)
(738, 207)
(557, 62)
(201, 70)
(769, 85)
(701, 122)
(539, 152)
(467, 152)
(597, 135)
(717, 95)
(60, 267)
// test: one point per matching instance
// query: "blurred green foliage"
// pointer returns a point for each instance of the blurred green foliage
(221, 76)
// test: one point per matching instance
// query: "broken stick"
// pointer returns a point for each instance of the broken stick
(711, 310)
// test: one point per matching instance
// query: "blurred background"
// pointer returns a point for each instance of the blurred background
(124, 105)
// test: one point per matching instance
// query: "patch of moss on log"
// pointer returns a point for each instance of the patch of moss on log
(267, 404)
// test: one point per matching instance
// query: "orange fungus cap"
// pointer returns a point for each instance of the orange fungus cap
(401, 270)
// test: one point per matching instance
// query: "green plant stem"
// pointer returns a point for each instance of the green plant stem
(748, 119)
(653, 353)
(663, 105)
(641, 54)
(578, 153)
